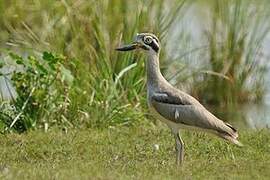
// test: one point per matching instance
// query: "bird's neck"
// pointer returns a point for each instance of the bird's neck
(154, 76)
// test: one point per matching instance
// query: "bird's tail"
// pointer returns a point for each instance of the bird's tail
(230, 135)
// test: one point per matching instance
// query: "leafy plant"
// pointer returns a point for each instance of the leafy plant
(42, 86)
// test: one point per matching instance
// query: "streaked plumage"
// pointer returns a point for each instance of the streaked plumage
(172, 106)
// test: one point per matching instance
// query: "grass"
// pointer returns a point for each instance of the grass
(236, 35)
(129, 153)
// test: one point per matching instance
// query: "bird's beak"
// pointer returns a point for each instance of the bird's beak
(130, 47)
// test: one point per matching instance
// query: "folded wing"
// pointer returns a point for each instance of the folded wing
(191, 114)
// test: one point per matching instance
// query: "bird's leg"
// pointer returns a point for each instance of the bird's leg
(179, 148)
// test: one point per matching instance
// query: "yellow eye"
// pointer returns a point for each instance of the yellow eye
(147, 40)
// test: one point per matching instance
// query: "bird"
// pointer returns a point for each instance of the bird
(172, 106)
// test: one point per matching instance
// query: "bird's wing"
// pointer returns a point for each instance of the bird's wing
(181, 110)
(167, 98)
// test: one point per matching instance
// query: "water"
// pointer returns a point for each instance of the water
(7, 92)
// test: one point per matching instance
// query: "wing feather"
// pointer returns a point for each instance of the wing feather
(186, 113)
(182, 108)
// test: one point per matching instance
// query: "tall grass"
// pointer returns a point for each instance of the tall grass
(235, 37)
(108, 86)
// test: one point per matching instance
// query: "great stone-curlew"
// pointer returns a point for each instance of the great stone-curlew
(172, 106)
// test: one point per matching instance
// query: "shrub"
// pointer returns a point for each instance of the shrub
(42, 86)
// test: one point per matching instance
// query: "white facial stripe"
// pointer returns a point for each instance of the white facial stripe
(155, 41)
(154, 45)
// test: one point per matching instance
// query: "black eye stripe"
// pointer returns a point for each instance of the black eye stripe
(156, 42)
(155, 39)
(154, 45)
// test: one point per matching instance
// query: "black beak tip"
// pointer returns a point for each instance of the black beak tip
(127, 47)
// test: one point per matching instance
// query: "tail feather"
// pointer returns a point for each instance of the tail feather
(230, 135)
(231, 139)
(230, 126)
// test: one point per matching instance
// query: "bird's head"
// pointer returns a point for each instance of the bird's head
(146, 41)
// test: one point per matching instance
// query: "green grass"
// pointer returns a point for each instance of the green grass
(235, 38)
(129, 153)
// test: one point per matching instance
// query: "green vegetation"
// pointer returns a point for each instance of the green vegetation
(42, 92)
(235, 38)
(81, 105)
(94, 86)
(130, 153)
(108, 87)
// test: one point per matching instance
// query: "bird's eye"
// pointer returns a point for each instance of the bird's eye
(147, 40)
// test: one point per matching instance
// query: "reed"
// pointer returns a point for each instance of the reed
(235, 53)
